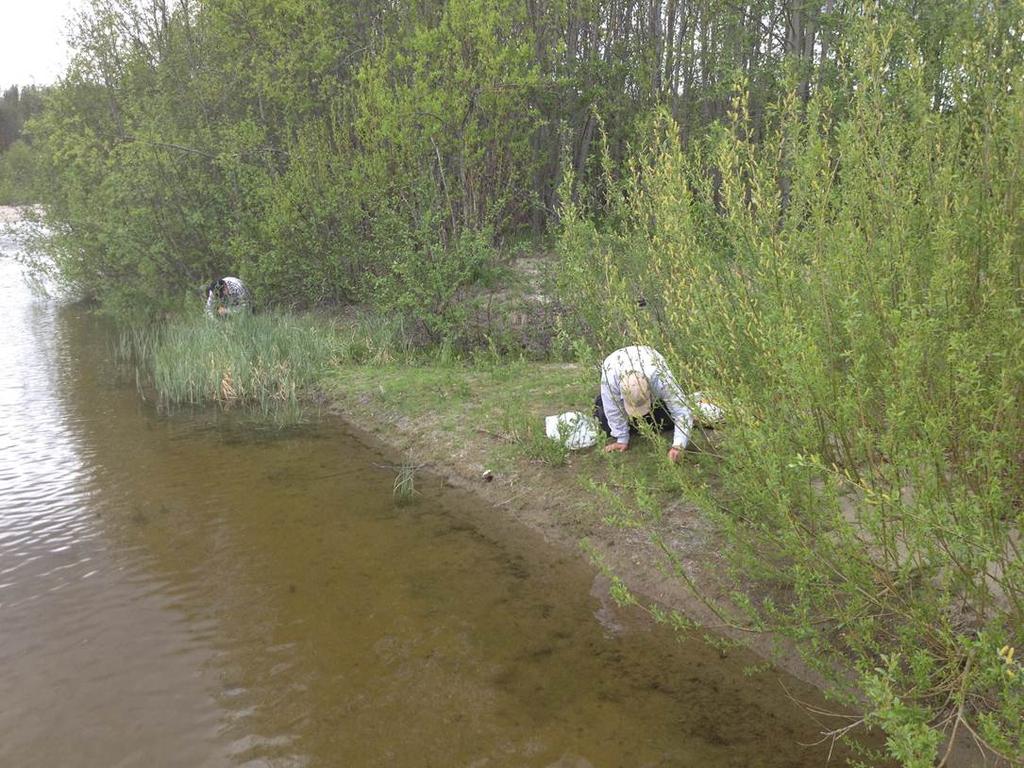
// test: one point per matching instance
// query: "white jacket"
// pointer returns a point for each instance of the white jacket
(652, 365)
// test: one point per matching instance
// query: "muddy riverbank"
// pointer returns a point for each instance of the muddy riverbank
(470, 451)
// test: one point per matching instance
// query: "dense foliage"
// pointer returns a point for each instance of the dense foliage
(320, 148)
(818, 202)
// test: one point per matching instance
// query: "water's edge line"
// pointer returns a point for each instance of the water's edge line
(394, 434)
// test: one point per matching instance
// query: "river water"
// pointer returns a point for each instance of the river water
(198, 590)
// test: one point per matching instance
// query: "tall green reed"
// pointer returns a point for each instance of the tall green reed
(264, 361)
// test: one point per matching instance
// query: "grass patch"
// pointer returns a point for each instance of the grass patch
(507, 399)
(269, 362)
(371, 339)
(528, 439)
(266, 360)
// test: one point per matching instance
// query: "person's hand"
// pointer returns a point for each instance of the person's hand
(616, 447)
(674, 453)
(222, 310)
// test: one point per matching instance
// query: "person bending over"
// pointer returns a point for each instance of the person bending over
(636, 384)
(226, 296)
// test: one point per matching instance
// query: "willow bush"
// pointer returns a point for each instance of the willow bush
(849, 287)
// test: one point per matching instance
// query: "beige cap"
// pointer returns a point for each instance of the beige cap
(636, 393)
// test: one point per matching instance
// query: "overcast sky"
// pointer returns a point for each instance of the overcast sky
(32, 32)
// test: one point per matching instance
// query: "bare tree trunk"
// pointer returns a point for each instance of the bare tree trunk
(657, 44)
(668, 60)
(810, 33)
(800, 36)
(583, 146)
(825, 38)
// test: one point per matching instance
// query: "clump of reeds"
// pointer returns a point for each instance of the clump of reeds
(374, 340)
(266, 361)
(405, 483)
(134, 345)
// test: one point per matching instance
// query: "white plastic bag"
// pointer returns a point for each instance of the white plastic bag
(573, 429)
(705, 412)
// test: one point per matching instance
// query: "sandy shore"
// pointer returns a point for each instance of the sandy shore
(9, 214)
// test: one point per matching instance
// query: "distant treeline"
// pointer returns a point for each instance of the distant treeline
(17, 167)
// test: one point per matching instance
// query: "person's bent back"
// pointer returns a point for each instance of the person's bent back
(636, 384)
(227, 296)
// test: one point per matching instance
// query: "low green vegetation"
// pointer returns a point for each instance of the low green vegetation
(506, 400)
(404, 489)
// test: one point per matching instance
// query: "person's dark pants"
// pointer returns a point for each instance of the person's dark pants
(659, 418)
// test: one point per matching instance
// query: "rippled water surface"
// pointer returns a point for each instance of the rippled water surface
(195, 590)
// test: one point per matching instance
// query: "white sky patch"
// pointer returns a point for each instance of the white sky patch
(33, 48)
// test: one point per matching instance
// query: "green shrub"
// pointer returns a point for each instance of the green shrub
(427, 281)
